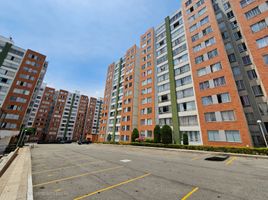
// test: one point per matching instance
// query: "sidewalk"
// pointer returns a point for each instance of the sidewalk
(17, 179)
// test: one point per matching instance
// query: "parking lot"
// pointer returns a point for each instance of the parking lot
(108, 172)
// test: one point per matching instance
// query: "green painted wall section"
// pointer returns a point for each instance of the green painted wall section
(117, 99)
(174, 108)
(69, 116)
(4, 53)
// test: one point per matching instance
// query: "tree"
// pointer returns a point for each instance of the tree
(135, 134)
(157, 134)
(166, 134)
(185, 139)
(109, 137)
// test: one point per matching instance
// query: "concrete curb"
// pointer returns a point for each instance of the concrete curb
(30, 181)
(194, 151)
(7, 161)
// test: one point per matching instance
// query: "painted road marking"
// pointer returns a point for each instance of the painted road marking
(125, 161)
(65, 167)
(77, 176)
(230, 161)
(190, 193)
(200, 157)
(112, 186)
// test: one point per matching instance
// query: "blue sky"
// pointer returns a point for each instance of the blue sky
(80, 37)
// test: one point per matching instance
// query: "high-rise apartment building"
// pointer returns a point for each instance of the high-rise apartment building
(92, 124)
(106, 104)
(203, 71)
(21, 75)
(121, 98)
(62, 115)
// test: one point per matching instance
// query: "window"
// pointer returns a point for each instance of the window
(216, 67)
(225, 35)
(184, 81)
(245, 100)
(182, 70)
(164, 98)
(242, 47)
(232, 136)
(265, 58)
(223, 98)
(219, 81)
(207, 100)
(187, 106)
(258, 26)
(246, 60)
(212, 54)
(238, 35)
(252, 74)
(185, 93)
(257, 90)
(228, 116)
(210, 41)
(252, 13)
(232, 58)
(204, 85)
(188, 120)
(202, 71)
(210, 117)
(207, 30)
(244, 3)
(226, 6)
(263, 42)
(181, 59)
(164, 109)
(213, 136)
(230, 14)
(240, 85)
(199, 59)
(263, 107)
(204, 21)
(236, 71)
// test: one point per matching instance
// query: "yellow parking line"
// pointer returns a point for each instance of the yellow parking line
(64, 167)
(190, 193)
(199, 157)
(112, 186)
(77, 176)
(230, 161)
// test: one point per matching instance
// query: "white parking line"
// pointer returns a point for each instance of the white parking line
(125, 161)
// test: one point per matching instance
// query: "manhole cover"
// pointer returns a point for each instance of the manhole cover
(218, 158)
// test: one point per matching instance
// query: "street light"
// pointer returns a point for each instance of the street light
(262, 131)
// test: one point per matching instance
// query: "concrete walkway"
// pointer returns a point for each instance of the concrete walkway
(16, 181)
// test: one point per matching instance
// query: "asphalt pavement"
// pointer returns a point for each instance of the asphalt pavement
(112, 172)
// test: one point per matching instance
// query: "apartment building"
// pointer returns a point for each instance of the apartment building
(121, 98)
(93, 119)
(21, 75)
(147, 94)
(106, 104)
(81, 119)
(203, 72)
(41, 113)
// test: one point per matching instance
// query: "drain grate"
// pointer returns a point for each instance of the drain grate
(218, 158)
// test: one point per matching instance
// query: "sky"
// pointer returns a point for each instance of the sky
(80, 37)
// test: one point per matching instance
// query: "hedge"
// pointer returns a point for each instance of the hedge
(240, 150)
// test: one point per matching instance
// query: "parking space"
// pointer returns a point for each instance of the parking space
(71, 171)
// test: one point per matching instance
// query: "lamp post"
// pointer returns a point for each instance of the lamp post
(262, 132)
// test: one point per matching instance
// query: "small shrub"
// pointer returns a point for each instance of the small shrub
(185, 139)
(140, 139)
(149, 140)
(157, 134)
(135, 134)
(166, 134)
(109, 138)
